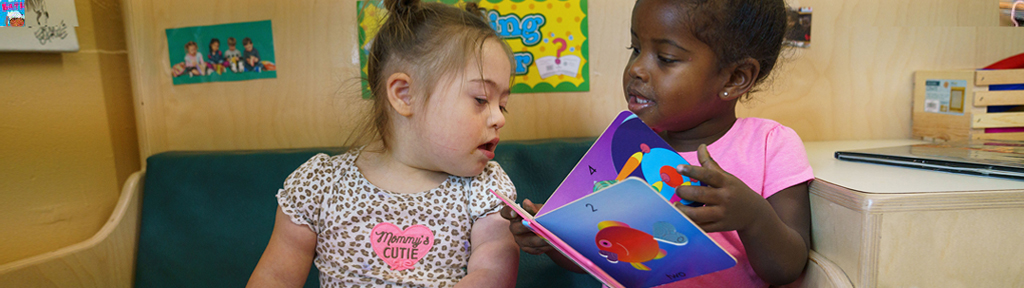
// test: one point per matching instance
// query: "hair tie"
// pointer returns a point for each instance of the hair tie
(1013, 12)
(475, 9)
(401, 7)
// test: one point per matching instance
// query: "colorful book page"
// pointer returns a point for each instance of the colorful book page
(559, 245)
(626, 148)
(636, 236)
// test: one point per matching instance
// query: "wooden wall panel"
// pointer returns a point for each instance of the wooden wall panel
(855, 82)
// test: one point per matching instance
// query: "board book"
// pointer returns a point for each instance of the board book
(614, 217)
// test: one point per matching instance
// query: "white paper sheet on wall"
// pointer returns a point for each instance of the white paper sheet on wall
(49, 27)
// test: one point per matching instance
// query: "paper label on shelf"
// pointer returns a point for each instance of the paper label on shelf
(945, 96)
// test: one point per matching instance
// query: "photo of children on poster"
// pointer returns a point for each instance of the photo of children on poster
(224, 52)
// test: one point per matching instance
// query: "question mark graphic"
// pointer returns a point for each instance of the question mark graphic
(559, 55)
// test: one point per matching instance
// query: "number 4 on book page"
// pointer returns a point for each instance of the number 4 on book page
(627, 148)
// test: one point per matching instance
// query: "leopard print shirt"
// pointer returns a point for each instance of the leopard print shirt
(356, 247)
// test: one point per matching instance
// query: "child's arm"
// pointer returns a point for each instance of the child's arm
(530, 242)
(775, 232)
(494, 261)
(288, 257)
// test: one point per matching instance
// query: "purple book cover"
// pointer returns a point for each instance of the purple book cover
(626, 148)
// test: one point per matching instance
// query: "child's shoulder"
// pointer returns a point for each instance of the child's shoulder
(762, 126)
(493, 174)
(322, 166)
(760, 123)
(491, 170)
(759, 132)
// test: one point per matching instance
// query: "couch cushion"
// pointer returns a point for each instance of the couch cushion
(207, 216)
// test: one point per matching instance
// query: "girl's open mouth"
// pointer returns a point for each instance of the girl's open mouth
(637, 102)
(488, 148)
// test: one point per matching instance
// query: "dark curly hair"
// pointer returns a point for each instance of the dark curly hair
(738, 29)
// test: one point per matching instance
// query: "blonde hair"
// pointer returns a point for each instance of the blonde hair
(426, 41)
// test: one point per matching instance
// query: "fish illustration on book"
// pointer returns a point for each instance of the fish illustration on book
(619, 242)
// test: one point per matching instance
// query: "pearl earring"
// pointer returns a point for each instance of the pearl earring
(726, 94)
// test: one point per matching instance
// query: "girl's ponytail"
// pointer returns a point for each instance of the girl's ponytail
(401, 8)
(475, 9)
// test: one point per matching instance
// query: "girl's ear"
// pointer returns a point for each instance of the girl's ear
(399, 93)
(742, 76)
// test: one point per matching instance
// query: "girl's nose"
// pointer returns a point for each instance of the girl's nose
(497, 118)
(636, 70)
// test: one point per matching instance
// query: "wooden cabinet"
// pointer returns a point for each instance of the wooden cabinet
(889, 226)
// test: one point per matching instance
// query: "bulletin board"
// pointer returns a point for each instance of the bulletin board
(548, 40)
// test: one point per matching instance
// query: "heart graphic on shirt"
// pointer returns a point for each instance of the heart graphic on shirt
(401, 249)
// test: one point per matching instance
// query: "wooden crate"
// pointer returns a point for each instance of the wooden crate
(966, 116)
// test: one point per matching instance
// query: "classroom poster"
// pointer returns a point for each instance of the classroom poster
(13, 13)
(548, 39)
(224, 52)
(38, 25)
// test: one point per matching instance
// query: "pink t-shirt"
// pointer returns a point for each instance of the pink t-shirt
(768, 157)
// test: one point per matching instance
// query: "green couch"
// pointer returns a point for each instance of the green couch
(202, 219)
(207, 216)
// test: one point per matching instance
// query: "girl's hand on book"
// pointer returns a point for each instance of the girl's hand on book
(728, 203)
(527, 240)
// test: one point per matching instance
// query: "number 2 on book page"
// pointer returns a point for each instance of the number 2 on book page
(592, 209)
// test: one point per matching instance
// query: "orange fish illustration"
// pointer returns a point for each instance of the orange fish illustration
(616, 241)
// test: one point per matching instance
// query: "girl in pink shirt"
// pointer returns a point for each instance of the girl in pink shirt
(691, 61)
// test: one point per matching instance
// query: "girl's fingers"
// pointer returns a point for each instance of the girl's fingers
(536, 251)
(702, 216)
(509, 214)
(700, 194)
(705, 158)
(705, 175)
(531, 207)
(712, 227)
(517, 228)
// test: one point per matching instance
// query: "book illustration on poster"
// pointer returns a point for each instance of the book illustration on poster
(628, 235)
(613, 215)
